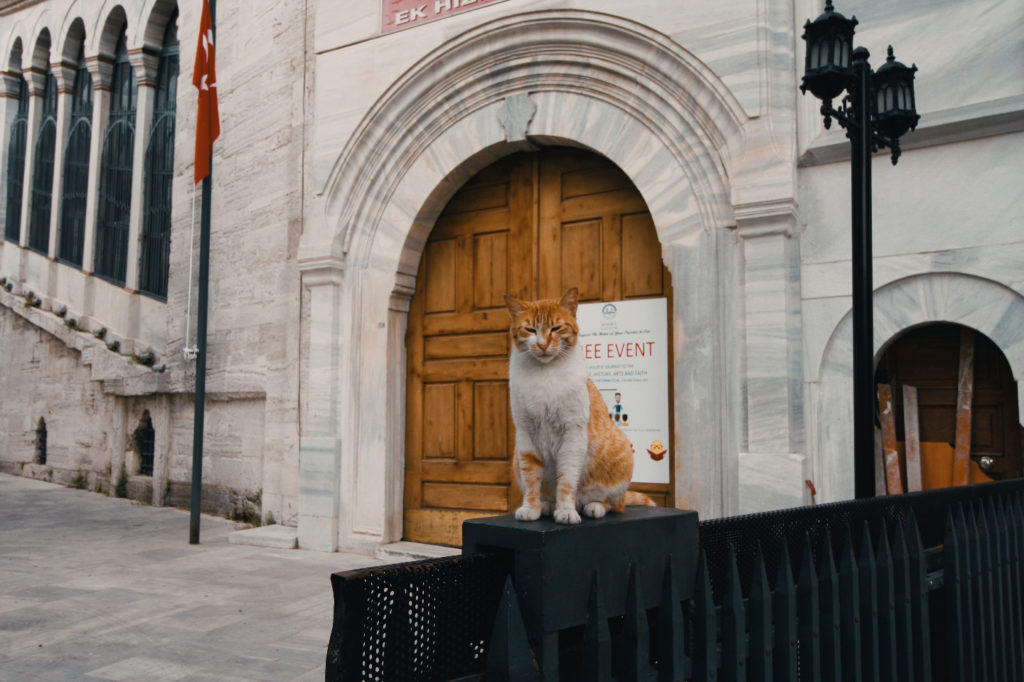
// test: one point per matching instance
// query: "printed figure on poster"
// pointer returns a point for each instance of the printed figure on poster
(626, 349)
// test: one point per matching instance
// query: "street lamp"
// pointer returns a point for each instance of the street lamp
(877, 109)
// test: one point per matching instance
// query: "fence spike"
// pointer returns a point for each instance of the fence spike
(868, 589)
(850, 611)
(888, 640)
(734, 644)
(705, 651)
(1017, 576)
(784, 611)
(831, 616)
(509, 656)
(808, 601)
(635, 643)
(965, 543)
(921, 625)
(1014, 519)
(760, 621)
(672, 664)
(597, 657)
(982, 594)
(997, 548)
(957, 626)
(903, 636)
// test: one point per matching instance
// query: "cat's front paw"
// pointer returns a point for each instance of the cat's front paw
(569, 516)
(526, 513)
(594, 510)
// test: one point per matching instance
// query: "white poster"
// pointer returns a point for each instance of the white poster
(627, 353)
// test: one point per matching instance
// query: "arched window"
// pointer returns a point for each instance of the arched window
(42, 174)
(156, 226)
(115, 198)
(16, 165)
(76, 167)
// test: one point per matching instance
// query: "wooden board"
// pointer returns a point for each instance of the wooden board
(532, 225)
(912, 438)
(964, 398)
(891, 456)
(879, 465)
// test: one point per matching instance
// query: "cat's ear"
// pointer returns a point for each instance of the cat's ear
(571, 300)
(515, 306)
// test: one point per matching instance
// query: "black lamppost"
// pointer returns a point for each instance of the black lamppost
(878, 108)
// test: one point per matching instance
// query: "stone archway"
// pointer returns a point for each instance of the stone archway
(556, 77)
(986, 306)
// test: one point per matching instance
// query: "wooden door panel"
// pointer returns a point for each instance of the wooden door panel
(458, 472)
(580, 246)
(582, 178)
(463, 345)
(640, 246)
(439, 424)
(439, 276)
(491, 498)
(491, 420)
(470, 369)
(490, 270)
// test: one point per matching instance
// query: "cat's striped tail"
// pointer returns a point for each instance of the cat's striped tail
(634, 499)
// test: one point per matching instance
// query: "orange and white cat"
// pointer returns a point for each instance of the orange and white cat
(570, 457)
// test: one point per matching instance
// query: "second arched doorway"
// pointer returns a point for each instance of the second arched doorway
(532, 224)
(960, 379)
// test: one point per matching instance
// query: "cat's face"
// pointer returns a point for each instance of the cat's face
(545, 329)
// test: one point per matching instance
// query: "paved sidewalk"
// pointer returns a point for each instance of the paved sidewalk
(98, 588)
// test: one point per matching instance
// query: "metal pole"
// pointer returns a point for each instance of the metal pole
(200, 389)
(863, 328)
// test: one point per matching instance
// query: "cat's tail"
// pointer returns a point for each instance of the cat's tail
(634, 499)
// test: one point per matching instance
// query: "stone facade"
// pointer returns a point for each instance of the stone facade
(341, 144)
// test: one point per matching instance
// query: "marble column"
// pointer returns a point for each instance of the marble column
(772, 460)
(319, 443)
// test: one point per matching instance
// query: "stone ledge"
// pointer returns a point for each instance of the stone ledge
(412, 551)
(275, 536)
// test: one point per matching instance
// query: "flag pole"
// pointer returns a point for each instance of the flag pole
(201, 315)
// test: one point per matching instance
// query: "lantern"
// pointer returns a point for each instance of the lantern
(829, 43)
(895, 111)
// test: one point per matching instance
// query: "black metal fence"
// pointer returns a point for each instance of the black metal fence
(924, 586)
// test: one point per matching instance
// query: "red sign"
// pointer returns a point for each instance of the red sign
(399, 14)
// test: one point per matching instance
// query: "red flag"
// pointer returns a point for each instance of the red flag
(204, 77)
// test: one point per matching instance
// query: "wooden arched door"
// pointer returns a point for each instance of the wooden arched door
(532, 225)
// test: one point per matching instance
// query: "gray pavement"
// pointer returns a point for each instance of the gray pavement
(99, 588)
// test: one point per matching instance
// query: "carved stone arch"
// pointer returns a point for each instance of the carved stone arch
(40, 58)
(72, 41)
(14, 64)
(150, 35)
(570, 77)
(110, 22)
(610, 71)
(989, 307)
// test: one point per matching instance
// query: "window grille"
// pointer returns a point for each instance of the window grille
(42, 174)
(16, 166)
(115, 197)
(145, 439)
(156, 227)
(76, 167)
